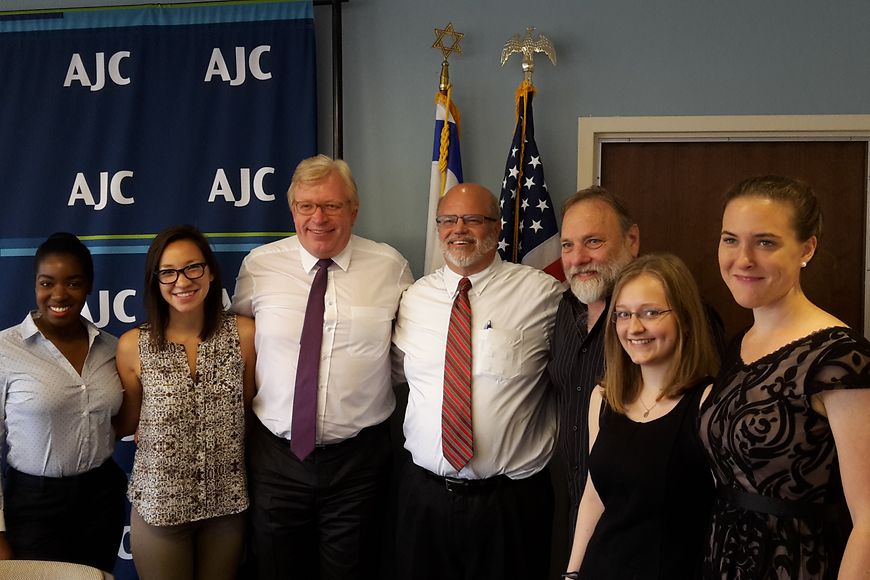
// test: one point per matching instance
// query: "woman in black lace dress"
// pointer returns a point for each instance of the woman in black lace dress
(787, 424)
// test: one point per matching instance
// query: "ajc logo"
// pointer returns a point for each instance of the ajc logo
(221, 186)
(119, 308)
(82, 191)
(217, 66)
(124, 548)
(77, 71)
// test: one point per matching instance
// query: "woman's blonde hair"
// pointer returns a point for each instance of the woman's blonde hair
(694, 356)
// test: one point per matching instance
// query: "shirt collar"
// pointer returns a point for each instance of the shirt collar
(29, 329)
(583, 318)
(342, 260)
(603, 319)
(478, 281)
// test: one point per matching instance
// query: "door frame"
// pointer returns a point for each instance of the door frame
(592, 132)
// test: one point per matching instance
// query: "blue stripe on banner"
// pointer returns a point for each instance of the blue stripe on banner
(159, 15)
(118, 249)
(225, 248)
(29, 248)
(17, 252)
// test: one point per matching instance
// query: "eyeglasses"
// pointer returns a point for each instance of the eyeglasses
(191, 272)
(471, 219)
(308, 208)
(648, 315)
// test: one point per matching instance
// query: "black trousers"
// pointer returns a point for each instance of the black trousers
(494, 529)
(77, 519)
(321, 518)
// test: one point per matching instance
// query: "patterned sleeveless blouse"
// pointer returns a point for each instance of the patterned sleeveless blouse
(189, 462)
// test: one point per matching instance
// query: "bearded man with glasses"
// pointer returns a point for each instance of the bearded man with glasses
(473, 340)
(319, 458)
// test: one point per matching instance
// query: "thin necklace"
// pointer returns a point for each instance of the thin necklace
(647, 409)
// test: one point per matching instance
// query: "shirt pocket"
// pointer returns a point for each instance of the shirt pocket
(499, 353)
(370, 329)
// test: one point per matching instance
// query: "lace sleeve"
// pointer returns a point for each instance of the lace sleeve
(844, 363)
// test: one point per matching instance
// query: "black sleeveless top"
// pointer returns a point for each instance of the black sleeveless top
(657, 489)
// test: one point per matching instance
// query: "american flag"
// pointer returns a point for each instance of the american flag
(440, 182)
(529, 234)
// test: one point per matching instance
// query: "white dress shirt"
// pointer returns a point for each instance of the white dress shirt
(513, 308)
(56, 422)
(362, 296)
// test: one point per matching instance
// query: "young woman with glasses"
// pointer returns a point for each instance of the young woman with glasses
(647, 500)
(188, 376)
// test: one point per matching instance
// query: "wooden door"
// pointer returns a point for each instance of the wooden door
(675, 189)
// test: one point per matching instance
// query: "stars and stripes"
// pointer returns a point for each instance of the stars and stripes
(529, 234)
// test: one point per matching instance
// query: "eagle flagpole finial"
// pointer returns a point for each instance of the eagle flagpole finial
(527, 46)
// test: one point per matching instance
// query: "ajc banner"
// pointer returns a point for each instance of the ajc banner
(115, 124)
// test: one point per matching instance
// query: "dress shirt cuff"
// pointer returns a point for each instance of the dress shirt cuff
(2, 521)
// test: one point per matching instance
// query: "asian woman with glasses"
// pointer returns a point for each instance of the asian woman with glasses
(647, 500)
(188, 376)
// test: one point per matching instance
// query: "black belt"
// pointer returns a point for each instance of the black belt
(360, 436)
(44, 482)
(458, 485)
(771, 505)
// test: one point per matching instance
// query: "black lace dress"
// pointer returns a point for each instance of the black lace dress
(780, 513)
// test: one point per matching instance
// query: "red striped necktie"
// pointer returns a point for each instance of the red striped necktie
(456, 433)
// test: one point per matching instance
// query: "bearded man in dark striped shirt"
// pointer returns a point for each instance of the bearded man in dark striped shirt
(599, 238)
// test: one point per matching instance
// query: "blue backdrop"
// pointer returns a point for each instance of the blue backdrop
(117, 123)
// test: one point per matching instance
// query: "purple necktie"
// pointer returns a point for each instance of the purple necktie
(302, 432)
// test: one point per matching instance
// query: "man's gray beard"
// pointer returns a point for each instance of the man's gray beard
(481, 248)
(598, 288)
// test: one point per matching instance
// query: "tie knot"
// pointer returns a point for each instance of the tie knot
(464, 286)
(324, 263)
